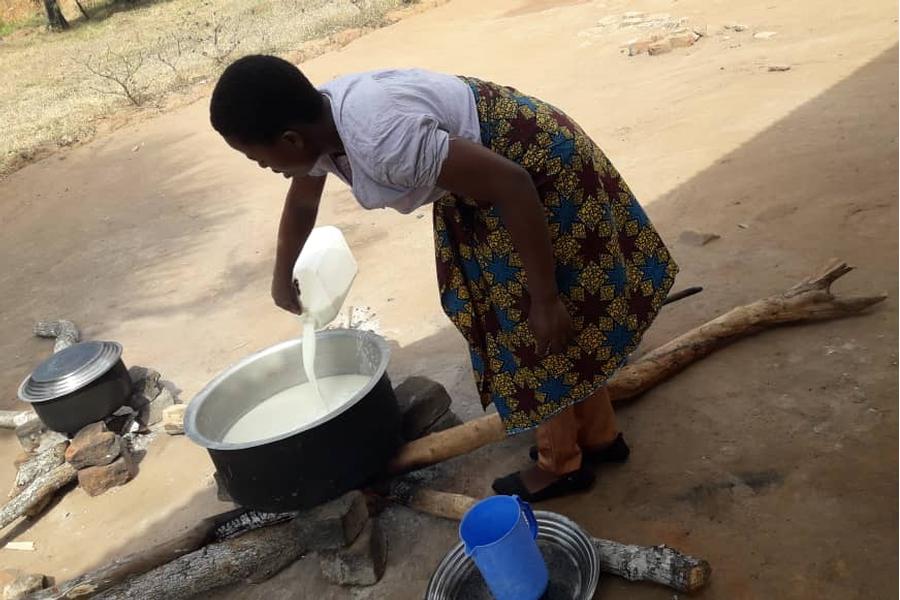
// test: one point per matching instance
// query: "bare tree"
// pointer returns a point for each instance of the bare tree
(220, 35)
(119, 71)
(55, 18)
(169, 50)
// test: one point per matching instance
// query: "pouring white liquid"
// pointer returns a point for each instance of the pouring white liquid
(309, 358)
(293, 408)
(323, 272)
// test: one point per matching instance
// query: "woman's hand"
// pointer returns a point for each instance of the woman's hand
(297, 219)
(551, 325)
(285, 293)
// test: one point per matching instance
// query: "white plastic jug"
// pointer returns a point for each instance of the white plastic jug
(324, 272)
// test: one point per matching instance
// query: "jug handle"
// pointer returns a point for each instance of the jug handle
(529, 516)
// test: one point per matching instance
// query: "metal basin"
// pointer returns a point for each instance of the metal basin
(319, 460)
(570, 555)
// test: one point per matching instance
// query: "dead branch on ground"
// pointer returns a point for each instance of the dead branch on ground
(37, 493)
(65, 332)
(809, 300)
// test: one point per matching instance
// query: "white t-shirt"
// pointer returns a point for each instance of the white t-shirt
(396, 126)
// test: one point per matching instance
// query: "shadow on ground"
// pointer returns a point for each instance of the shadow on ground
(136, 240)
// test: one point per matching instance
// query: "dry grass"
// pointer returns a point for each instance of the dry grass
(56, 89)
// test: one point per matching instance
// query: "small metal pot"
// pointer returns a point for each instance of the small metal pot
(78, 385)
(318, 461)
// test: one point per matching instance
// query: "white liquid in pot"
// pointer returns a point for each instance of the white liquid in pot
(294, 407)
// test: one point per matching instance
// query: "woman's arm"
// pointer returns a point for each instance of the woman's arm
(297, 219)
(475, 171)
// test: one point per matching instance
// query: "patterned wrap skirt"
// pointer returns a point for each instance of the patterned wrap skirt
(612, 269)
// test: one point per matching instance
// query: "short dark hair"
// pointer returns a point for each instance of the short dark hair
(259, 97)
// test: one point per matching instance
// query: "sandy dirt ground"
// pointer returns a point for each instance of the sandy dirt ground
(775, 459)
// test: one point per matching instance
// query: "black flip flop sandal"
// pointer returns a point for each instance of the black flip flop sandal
(617, 452)
(576, 481)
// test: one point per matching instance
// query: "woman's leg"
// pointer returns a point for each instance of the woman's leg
(596, 421)
(557, 441)
(558, 471)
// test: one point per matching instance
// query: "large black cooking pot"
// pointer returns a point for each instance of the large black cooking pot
(314, 463)
(78, 385)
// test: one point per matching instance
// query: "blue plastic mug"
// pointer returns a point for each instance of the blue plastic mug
(499, 535)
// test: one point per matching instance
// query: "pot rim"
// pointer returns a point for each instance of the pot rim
(193, 407)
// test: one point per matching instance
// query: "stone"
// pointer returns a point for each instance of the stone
(137, 401)
(632, 21)
(34, 437)
(152, 412)
(16, 584)
(334, 524)
(97, 480)
(764, 35)
(779, 68)
(445, 421)
(423, 402)
(50, 439)
(635, 47)
(221, 492)
(660, 47)
(683, 39)
(736, 27)
(360, 564)
(697, 238)
(145, 385)
(173, 419)
(93, 446)
(700, 30)
(120, 421)
(144, 374)
(30, 433)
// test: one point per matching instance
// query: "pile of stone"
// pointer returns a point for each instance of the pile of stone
(102, 458)
(153, 404)
(657, 43)
(104, 453)
(350, 545)
(662, 32)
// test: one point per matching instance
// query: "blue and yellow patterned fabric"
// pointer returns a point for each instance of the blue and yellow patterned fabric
(612, 268)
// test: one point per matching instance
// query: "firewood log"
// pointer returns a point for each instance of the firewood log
(809, 300)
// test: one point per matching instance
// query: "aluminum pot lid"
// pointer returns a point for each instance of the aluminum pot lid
(69, 370)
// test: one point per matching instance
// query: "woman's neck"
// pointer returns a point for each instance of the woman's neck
(332, 142)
